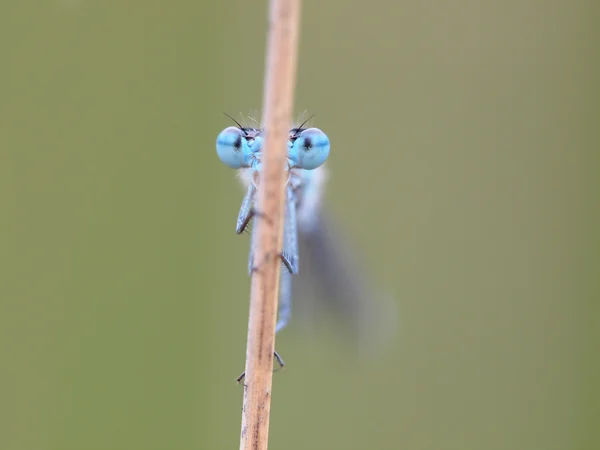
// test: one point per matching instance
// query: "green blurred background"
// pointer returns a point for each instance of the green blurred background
(462, 166)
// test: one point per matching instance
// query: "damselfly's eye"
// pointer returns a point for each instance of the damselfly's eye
(234, 147)
(309, 150)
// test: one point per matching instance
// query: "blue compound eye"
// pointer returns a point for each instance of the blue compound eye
(235, 147)
(309, 149)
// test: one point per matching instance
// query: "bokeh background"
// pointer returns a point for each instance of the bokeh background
(463, 170)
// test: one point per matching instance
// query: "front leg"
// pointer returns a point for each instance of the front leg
(289, 254)
(246, 210)
(245, 215)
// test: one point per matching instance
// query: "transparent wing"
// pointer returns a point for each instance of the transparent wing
(332, 283)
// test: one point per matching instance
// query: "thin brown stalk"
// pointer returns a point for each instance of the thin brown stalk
(280, 80)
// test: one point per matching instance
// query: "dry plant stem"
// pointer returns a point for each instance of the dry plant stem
(280, 80)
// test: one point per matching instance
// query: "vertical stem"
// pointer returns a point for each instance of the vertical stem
(280, 79)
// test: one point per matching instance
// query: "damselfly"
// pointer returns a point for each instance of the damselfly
(305, 225)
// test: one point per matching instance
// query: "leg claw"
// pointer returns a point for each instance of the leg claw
(279, 361)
